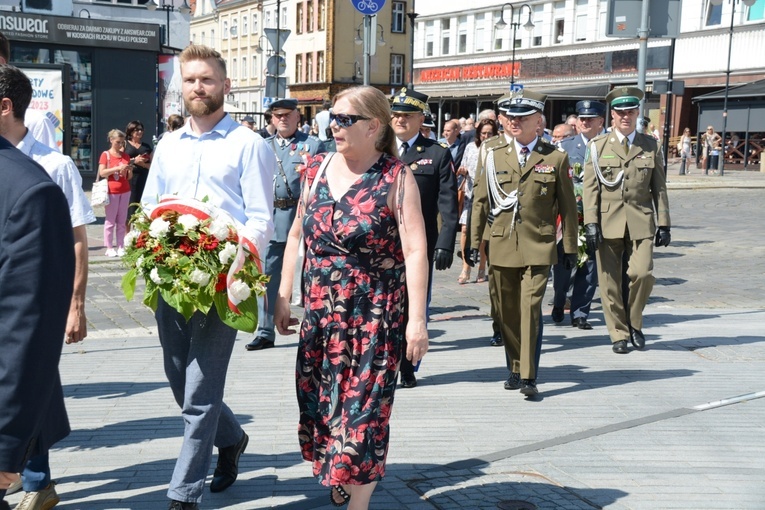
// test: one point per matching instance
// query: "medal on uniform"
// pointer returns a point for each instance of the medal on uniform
(414, 167)
(543, 191)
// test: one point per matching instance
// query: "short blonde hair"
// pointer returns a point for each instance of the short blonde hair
(115, 133)
(202, 52)
(371, 103)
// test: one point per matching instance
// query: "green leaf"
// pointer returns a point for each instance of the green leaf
(247, 321)
(180, 302)
(151, 298)
(128, 284)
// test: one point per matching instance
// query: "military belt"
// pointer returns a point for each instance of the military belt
(284, 203)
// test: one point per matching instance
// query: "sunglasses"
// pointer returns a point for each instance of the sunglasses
(344, 120)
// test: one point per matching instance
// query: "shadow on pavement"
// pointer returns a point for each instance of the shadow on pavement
(111, 390)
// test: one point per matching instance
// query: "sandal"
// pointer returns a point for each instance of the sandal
(464, 277)
(339, 491)
(481, 277)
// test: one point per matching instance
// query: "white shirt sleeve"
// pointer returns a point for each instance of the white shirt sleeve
(41, 127)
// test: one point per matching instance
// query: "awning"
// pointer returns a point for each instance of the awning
(584, 92)
(460, 91)
(752, 90)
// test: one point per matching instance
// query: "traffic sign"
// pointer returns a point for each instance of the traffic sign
(368, 7)
(516, 88)
(277, 38)
(267, 102)
(276, 65)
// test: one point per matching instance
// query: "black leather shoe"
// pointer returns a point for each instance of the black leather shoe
(228, 465)
(408, 381)
(557, 314)
(259, 344)
(620, 347)
(513, 382)
(581, 323)
(182, 505)
(496, 340)
(529, 387)
(637, 338)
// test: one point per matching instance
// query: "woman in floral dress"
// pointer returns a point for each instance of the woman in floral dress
(362, 224)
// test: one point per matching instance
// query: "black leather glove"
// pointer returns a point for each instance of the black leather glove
(663, 236)
(443, 259)
(569, 261)
(592, 236)
(472, 258)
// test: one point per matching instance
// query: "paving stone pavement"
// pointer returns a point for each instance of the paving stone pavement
(608, 431)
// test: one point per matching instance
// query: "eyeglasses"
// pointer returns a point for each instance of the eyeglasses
(281, 115)
(344, 120)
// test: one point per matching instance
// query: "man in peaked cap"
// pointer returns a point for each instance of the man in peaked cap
(432, 167)
(591, 117)
(624, 189)
(522, 182)
(428, 126)
(290, 145)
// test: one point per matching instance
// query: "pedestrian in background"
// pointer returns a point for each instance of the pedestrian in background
(140, 159)
(211, 157)
(710, 141)
(684, 150)
(36, 284)
(114, 165)
(360, 217)
(16, 87)
(624, 187)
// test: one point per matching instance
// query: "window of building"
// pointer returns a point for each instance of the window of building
(500, 33)
(311, 21)
(321, 67)
(299, 19)
(225, 29)
(254, 107)
(480, 32)
(757, 11)
(213, 41)
(714, 14)
(284, 16)
(446, 36)
(234, 28)
(244, 68)
(298, 68)
(536, 39)
(234, 69)
(322, 14)
(194, 38)
(267, 20)
(462, 34)
(202, 39)
(396, 69)
(254, 23)
(255, 70)
(309, 67)
(429, 38)
(244, 25)
(398, 17)
(580, 29)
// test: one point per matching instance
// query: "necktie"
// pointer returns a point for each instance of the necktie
(524, 155)
(626, 145)
(404, 148)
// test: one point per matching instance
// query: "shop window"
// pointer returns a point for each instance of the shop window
(396, 69)
(398, 17)
(757, 11)
(80, 106)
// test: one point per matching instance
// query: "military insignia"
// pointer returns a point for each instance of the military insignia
(292, 153)
(442, 144)
(543, 191)
(544, 169)
(420, 148)
(587, 155)
(402, 94)
(425, 162)
(414, 167)
(517, 95)
(560, 149)
(539, 148)
(608, 156)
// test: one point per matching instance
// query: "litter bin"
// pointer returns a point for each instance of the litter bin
(714, 160)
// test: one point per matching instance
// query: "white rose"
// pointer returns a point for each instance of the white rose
(154, 275)
(159, 228)
(239, 290)
(219, 228)
(130, 238)
(188, 221)
(227, 253)
(199, 277)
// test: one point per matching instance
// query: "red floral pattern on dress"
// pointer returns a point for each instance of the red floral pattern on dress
(352, 335)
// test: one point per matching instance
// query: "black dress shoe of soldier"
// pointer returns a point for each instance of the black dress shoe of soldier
(182, 505)
(581, 323)
(496, 340)
(408, 380)
(529, 387)
(259, 344)
(620, 347)
(637, 338)
(228, 465)
(557, 314)
(513, 382)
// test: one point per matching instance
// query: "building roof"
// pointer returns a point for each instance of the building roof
(752, 90)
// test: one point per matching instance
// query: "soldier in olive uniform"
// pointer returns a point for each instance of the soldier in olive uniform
(522, 182)
(291, 146)
(431, 165)
(624, 186)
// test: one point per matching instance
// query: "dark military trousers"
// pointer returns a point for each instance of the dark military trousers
(520, 291)
(639, 257)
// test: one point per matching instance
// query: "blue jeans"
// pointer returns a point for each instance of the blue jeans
(196, 355)
(585, 283)
(36, 475)
(273, 268)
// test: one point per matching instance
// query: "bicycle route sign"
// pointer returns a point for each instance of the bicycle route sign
(368, 7)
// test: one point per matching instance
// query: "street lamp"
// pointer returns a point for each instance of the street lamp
(515, 22)
(367, 43)
(748, 3)
(168, 7)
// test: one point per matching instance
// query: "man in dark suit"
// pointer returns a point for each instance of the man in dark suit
(590, 120)
(36, 281)
(431, 164)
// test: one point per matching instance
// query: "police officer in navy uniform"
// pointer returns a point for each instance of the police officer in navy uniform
(521, 186)
(291, 146)
(590, 122)
(625, 197)
(432, 167)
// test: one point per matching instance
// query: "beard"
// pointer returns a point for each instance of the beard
(207, 106)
